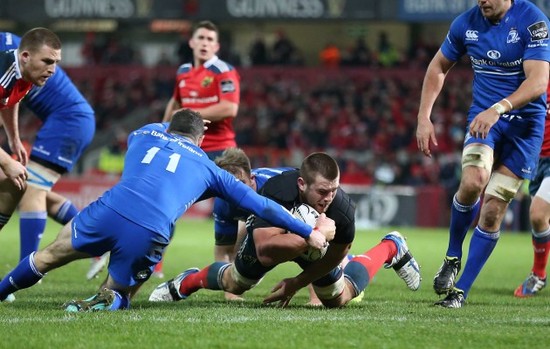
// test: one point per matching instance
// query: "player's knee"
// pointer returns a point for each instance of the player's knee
(539, 218)
(235, 282)
(492, 213)
(45, 260)
(333, 295)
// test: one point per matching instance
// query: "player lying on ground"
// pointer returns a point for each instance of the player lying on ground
(317, 185)
(165, 172)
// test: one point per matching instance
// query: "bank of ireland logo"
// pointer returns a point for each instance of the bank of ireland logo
(512, 37)
(493, 54)
(471, 35)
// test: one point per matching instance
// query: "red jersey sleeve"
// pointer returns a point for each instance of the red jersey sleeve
(229, 86)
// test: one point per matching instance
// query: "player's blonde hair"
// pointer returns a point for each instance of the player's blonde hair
(235, 161)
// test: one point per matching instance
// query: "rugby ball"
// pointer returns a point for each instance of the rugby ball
(309, 215)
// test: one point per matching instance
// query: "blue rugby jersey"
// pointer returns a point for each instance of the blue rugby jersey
(497, 52)
(164, 174)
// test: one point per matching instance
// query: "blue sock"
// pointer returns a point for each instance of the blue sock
(66, 212)
(31, 229)
(214, 275)
(121, 301)
(461, 219)
(23, 276)
(481, 247)
(357, 275)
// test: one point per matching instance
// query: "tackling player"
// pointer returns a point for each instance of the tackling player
(211, 87)
(161, 161)
(265, 247)
(229, 219)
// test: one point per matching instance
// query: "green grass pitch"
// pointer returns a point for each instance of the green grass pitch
(390, 316)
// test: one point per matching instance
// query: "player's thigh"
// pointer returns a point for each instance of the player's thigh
(135, 253)
(34, 198)
(539, 211)
(10, 195)
(247, 271)
(59, 252)
(520, 150)
(134, 250)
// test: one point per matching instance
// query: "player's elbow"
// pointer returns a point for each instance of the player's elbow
(231, 109)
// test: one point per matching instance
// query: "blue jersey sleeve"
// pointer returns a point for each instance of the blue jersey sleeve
(535, 34)
(9, 41)
(224, 220)
(453, 47)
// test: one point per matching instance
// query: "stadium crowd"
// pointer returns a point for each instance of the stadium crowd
(364, 115)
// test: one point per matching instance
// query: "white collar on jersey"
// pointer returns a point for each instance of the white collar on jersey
(18, 74)
(211, 61)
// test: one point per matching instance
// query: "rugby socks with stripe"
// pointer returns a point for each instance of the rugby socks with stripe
(481, 246)
(31, 229)
(209, 278)
(23, 276)
(363, 267)
(66, 212)
(462, 217)
(541, 248)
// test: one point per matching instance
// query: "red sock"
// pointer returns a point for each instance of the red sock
(541, 249)
(194, 282)
(375, 258)
(158, 267)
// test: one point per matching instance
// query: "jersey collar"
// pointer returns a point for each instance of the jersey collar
(211, 61)
(18, 74)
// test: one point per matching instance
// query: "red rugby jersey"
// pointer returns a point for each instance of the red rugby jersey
(12, 86)
(545, 150)
(203, 86)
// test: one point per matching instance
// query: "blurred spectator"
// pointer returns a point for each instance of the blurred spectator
(118, 52)
(353, 173)
(90, 51)
(183, 50)
(330, 56)
(258, 51)
(359, 54)
(111, 156)
(283, 49)
(388, 56)
(164, 60)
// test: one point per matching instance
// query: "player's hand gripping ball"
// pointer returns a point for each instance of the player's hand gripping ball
(309, 216)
